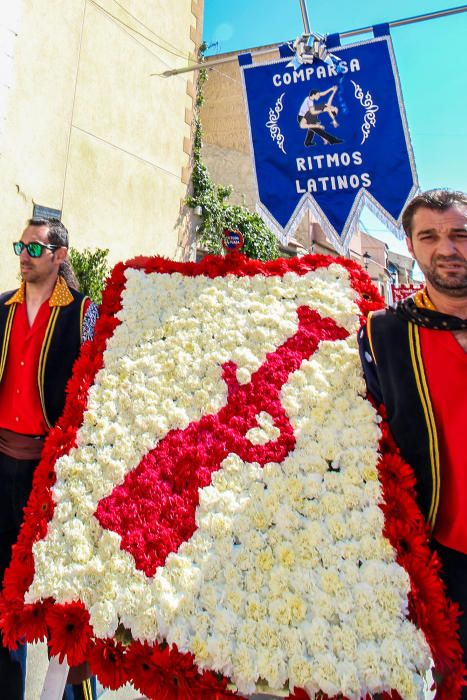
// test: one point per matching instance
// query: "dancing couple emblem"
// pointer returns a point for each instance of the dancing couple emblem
(310, 112)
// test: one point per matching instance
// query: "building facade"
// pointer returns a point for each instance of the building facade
(89, 127)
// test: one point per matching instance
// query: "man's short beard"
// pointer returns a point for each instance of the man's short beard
(450, 286)
(456, 289)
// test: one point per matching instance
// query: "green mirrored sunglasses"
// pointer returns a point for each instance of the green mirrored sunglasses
(34, 248)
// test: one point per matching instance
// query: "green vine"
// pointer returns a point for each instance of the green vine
(91, 269)
(211, 199)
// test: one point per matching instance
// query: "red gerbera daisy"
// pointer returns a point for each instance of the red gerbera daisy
(213, 686)
(164, 673)
(40, 505)
(143, 670)
(10, 617)
(396, 470)
(70, 632)
(17, 579)
(107, 660)
(33, 621)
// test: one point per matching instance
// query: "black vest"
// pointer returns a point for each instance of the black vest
(60, 348)
(398, 373)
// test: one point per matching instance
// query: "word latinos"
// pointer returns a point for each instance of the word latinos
(333, 182)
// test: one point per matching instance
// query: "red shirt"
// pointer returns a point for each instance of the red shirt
(445, 364)
(20, 404)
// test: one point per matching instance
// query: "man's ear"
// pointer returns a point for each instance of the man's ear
(409, 245)
(60, 254)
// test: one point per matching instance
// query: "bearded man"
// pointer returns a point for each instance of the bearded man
(414, 358)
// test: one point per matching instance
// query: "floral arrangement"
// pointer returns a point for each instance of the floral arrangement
(220, 492)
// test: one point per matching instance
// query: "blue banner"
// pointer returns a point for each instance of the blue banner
(330, 138)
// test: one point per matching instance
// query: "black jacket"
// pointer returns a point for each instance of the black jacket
(395, 376)
(60, 348)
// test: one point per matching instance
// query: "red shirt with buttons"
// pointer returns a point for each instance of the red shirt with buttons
(20, 404)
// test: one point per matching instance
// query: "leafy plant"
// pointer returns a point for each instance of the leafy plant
(216, 213)
(91, 268)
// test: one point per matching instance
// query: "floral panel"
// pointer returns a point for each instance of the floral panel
(221, 509)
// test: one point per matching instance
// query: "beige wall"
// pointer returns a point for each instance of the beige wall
(87, 129)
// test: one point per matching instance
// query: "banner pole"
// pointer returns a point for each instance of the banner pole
(353, 32)
(306, 21)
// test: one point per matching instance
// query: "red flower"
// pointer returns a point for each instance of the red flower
(18, 578)
(145, 671)
(10, 623)
(163, 673)
(299, 694)
(23, 623)
(397, 471)
(34, 621)
(58, 442)
(107, 660)
(70, 632)
(41, 504)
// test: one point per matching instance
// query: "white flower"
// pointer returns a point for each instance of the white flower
(272, 667)
(326, 673)
(245, 673)
(266, 432)
(104, 618)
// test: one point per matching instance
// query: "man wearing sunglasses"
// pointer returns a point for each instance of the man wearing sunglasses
(42, 326)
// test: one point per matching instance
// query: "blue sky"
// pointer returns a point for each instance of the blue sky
(431, 57)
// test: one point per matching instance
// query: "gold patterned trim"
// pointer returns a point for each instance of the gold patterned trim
(6, 339)
(61, 295)
(368, 332)
(18, 297)
(423, 301)
(420, 378)
(43, 358)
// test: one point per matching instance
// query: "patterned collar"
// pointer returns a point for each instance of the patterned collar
(419, 309)
(423, 301)
(61, 295)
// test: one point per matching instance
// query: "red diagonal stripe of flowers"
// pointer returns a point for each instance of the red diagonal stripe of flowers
(154, 509)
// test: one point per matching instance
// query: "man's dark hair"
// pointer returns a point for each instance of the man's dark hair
(57, 234)
(439, 200)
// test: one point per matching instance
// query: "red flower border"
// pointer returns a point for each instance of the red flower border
(408, 532)
(160, 671)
